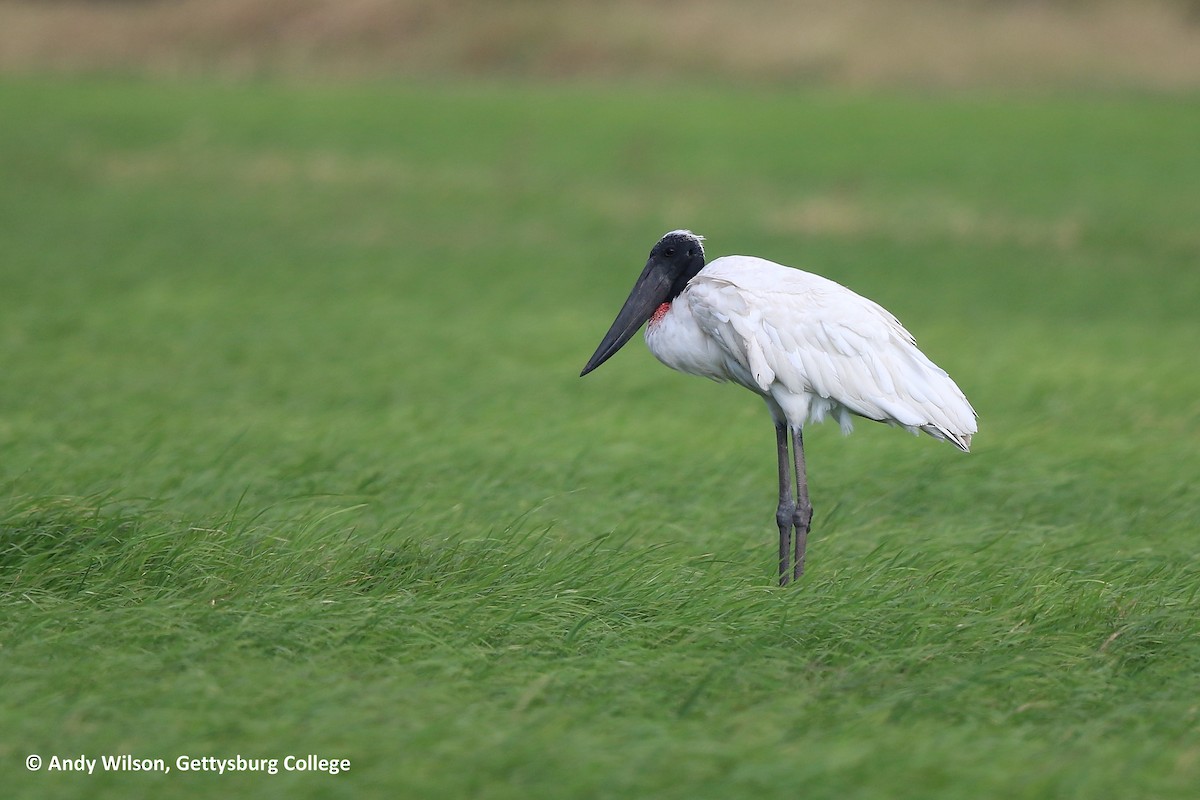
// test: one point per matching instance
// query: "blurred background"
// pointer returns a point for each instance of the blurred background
(430, 211)
(1152, 44)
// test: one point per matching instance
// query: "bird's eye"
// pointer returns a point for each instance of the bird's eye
(670, 251)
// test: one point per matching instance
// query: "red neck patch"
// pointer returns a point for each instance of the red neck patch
(659, 313)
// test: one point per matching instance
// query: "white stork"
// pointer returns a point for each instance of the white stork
(811, 348)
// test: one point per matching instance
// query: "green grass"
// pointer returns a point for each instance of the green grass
(294, 457)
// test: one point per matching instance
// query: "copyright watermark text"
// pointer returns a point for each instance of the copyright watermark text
(89, 765)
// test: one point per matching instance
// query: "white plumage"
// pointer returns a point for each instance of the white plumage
(810, 347)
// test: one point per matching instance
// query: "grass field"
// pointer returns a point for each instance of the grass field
(294, 457)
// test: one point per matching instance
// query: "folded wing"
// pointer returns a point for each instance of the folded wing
(819, 349)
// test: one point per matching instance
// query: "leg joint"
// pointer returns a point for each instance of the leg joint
(802, 515)
(785, 515)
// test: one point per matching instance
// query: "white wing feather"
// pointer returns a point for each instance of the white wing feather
(816, 348)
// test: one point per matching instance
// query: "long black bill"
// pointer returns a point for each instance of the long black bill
(651, 290)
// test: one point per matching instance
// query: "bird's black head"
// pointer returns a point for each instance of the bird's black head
(679, 254)
(674, 261)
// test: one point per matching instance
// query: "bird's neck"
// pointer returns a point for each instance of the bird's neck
(684, 278)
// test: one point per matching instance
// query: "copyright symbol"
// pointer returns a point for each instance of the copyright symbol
(33, 763)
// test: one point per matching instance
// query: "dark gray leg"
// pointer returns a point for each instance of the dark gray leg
(802, 511)
(785, 514)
